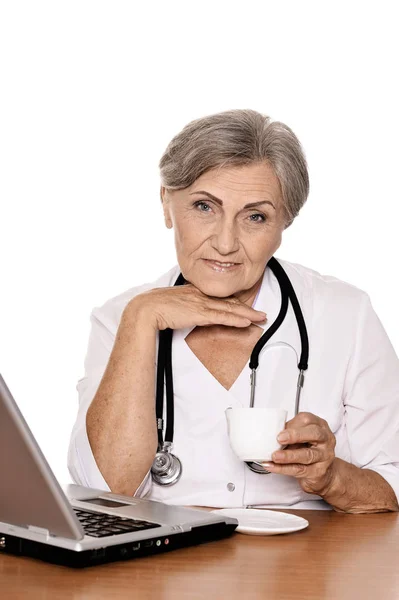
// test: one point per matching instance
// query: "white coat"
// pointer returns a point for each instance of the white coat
(352, 382)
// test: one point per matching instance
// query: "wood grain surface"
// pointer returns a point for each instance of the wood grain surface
(340, 557)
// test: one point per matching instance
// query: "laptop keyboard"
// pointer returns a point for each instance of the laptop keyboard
(101, 524)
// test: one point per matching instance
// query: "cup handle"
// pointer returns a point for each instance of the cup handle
(227, 420)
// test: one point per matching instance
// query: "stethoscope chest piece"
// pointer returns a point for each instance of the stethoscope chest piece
(166, 468)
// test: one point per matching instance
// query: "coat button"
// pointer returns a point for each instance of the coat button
(231, 487)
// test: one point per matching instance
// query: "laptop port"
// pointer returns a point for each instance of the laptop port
(136, 546)
(148, 543)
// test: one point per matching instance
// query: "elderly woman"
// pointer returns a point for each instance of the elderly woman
(230, 184)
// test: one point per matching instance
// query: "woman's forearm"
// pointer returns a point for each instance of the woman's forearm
(355, 490)
(120, 421)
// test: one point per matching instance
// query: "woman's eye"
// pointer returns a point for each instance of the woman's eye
(257, 220)
(202, 204)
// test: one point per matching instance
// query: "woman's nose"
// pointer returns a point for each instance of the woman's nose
(225, 238)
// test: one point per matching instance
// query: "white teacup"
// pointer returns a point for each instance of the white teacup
(253, 432)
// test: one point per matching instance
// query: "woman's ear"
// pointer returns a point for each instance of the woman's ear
(165, 205)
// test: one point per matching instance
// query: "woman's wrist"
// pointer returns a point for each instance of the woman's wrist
(355, 490)
(138, 312)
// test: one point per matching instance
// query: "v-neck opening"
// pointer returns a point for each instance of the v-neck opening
(183, 333)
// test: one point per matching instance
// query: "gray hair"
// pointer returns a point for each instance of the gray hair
(238, 137)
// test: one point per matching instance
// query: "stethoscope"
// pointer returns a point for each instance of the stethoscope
(167, 468)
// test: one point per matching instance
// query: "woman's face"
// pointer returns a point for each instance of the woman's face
(234, 216)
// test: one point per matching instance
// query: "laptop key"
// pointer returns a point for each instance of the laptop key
(115, 530)
(126, 526)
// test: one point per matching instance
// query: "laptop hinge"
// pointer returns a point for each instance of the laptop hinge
(39, 530)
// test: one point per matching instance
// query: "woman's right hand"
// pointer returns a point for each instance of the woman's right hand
(178, 307)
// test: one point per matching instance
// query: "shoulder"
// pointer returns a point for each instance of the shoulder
(109, 314)
(324, 291)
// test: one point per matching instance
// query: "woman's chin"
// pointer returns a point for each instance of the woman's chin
(214, 288)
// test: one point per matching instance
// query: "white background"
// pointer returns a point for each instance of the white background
(92, 92)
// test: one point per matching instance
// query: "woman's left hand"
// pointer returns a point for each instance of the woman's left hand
(309, 455)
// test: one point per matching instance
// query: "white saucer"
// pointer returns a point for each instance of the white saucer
(256, 521)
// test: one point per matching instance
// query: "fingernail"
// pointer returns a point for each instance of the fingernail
(283, 437)
(267, 465)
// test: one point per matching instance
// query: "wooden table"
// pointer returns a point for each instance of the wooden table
(340, 557)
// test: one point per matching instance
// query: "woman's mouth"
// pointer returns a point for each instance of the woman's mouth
(221, 267)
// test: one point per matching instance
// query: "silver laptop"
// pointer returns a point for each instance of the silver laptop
(82, 526)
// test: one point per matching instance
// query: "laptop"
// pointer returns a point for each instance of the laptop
(81, 526)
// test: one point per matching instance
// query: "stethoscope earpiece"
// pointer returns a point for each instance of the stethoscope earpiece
(257, 468)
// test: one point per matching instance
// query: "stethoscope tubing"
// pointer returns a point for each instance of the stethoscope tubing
(164, 367)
